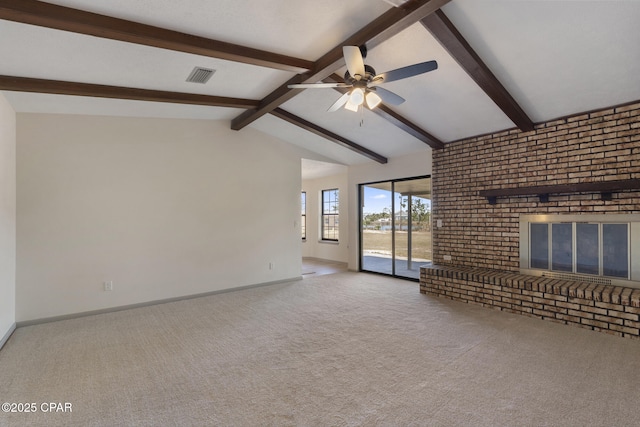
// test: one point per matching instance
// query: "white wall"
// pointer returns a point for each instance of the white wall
(163, 208)
(313, 246)
(418, 164)
(7, 217)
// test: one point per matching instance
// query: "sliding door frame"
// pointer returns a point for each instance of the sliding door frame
(393, 226)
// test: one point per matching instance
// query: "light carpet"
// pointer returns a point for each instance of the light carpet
(346, 349)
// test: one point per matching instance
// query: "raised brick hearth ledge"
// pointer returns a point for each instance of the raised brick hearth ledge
(611, 309)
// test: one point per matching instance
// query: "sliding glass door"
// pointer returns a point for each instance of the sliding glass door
(395, 231)
(375, 231)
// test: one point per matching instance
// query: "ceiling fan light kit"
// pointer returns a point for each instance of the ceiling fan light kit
(356, 97)
(351, 107)
(373, 100)
(363, 81)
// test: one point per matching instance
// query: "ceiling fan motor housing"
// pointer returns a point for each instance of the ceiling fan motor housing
(369, 74)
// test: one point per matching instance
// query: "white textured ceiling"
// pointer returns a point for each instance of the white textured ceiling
(555, 58)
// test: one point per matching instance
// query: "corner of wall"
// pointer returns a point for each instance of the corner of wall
(7, 220)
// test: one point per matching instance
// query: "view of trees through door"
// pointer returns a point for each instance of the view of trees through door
(395, 234)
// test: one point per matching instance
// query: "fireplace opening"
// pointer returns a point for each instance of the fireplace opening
(594, 248)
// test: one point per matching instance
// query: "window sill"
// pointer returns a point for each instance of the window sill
(330, 242)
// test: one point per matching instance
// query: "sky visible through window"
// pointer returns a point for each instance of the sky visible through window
(376, 200)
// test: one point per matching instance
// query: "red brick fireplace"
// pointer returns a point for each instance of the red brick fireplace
(580, 165)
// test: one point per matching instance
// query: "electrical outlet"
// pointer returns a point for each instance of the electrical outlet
(270, 266)
(108, 286)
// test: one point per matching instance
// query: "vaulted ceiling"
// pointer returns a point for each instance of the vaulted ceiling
(502, 64)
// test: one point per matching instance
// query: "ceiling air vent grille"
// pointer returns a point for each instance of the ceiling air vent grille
(200, 75)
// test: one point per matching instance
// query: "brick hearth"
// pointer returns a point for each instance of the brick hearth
(606, 308)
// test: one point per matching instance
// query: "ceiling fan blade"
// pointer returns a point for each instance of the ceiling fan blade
(339, 103)
(353, 58)
(404, 72)
(317, 85)
(387, 96)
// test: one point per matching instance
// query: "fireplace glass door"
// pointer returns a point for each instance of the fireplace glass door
(615, 248)
(587, 248)
(581, 246)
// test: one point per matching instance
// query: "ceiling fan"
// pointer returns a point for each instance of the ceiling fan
(363, 81)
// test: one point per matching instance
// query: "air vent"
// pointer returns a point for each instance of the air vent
(200, 75)
(579, 277)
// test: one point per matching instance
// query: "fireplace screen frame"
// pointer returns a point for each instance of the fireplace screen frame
(633, 221)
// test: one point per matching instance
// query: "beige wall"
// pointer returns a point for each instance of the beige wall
(7, 217)
(163, 208)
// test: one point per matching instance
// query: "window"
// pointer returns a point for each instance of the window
(330, 215)
(599, 248)
(303, 219)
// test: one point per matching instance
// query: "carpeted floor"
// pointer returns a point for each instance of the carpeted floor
(341, 349)
(318, 267)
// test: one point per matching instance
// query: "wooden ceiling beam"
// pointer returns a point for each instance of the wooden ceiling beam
(49, 15)
(384, 27)
(406, 125)
(23, 84)
(78, 21)
(379, 30)
(396, 119)
(450, 38)
(310, 127)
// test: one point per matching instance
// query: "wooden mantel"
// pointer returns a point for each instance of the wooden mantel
(605, 188)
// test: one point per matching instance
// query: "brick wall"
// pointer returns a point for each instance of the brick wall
(597, 146)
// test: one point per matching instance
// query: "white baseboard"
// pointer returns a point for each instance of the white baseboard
(310, 258)
(6, 336)
(145, 304)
